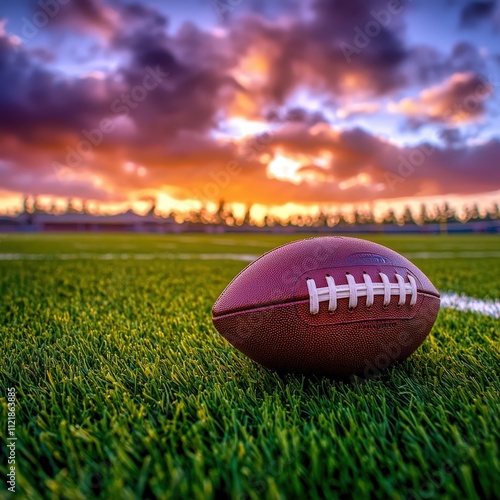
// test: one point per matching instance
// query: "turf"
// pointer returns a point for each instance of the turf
(125, 389)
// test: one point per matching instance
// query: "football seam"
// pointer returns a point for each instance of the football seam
(295, 300)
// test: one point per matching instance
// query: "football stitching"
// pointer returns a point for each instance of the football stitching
(353, 291)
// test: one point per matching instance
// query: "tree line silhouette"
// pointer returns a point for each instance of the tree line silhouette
(330, 217)
(224, 214)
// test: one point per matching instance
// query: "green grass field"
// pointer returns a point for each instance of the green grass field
(125, 390)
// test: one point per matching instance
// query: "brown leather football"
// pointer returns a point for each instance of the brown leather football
(329, 305)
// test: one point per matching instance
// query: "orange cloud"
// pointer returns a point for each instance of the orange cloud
(460, 99)
(158, 123)
(358, 108)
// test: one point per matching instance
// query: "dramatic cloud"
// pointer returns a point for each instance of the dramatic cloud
(253, 110)
(477, 11)
(428, 65)
(358, 108)
(88, 16)
(459, 99)
(344, 49)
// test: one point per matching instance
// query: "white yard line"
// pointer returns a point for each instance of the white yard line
(470, 304)
(452, 255)
(449, 300)
(218, 255)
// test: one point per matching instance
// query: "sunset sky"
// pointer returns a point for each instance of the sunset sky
(281, 103)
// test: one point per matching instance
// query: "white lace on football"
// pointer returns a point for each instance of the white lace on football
(368, 289)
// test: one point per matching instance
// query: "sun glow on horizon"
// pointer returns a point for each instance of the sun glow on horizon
(284, 168)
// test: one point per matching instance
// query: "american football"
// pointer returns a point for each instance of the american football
(249, 249)
(328, 305)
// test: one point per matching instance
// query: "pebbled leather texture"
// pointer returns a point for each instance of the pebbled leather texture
(264, 311)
